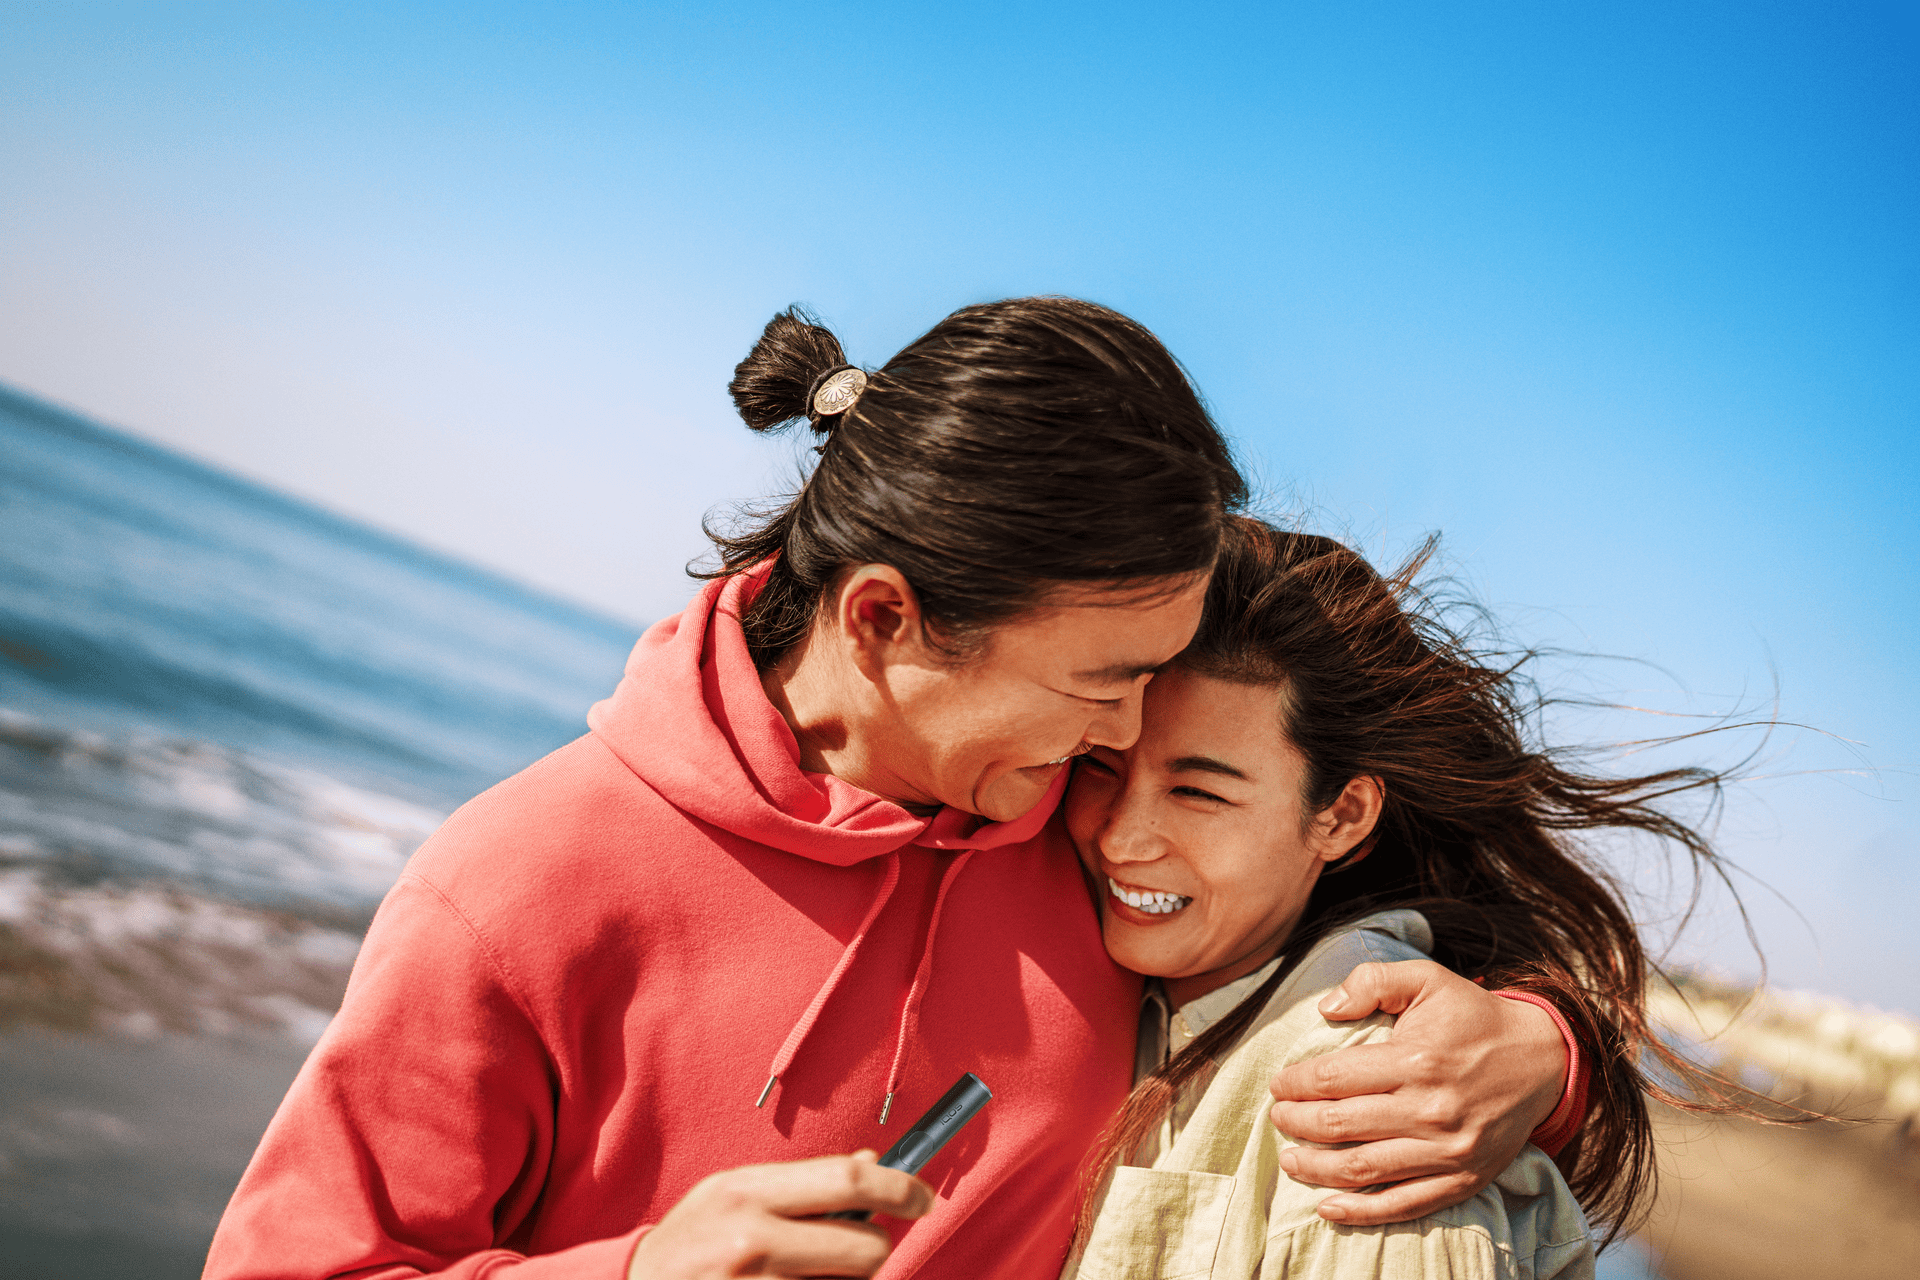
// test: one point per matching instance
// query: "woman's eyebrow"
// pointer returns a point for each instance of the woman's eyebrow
(1206, 764)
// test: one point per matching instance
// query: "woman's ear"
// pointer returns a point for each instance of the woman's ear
(1345, 826)
(875, 613)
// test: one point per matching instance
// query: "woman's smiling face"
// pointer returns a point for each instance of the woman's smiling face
(1199, 836)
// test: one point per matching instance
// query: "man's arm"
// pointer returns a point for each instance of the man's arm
(1440, 1109)
(421, 1128)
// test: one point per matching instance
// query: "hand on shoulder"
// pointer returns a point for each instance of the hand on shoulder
(1439, 1110)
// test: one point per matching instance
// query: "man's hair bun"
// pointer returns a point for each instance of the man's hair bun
(770, 387)
(1015, 446)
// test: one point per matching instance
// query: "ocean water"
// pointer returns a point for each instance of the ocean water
(205, 658)
(226, 720)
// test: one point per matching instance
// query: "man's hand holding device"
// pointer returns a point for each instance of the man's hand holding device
(806, 1217)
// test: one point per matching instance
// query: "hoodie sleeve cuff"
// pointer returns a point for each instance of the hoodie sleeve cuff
(1557, 1130)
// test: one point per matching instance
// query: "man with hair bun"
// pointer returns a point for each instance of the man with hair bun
(627, 1012)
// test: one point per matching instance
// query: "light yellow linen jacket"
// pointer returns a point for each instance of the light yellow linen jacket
(1215, 1203)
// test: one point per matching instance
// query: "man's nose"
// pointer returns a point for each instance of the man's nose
(1119, 726)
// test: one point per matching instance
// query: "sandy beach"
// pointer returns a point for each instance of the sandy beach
(117, 1155)
(1808, 1201)
(1814, 1202)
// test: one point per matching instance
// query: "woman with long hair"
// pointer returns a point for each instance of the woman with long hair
(1329, 777)
(626, 1011)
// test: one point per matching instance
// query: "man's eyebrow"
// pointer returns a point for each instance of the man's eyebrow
(1118, 673)
(1206, 764)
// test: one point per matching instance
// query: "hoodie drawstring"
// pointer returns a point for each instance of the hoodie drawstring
(783, 1059)
(909, 1014)
(922, 975)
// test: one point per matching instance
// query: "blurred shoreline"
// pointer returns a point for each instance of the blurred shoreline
(177, 923)
(1831, 1198)
(118, 1152)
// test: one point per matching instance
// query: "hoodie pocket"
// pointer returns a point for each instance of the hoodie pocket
(1157, 1224)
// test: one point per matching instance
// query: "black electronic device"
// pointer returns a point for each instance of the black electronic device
(931, 1132)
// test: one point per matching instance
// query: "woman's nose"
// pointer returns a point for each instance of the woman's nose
(1128, 837)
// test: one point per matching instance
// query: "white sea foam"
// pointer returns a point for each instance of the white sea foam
(135, 960)
(211, 817)
(150, 884)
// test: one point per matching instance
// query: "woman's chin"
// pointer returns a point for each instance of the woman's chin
(1131, 951)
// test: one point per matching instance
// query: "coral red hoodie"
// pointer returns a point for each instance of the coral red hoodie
(565, 1010)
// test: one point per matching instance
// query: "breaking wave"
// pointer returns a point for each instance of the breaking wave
(227, 718)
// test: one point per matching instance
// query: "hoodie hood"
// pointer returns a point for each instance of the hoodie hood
(691, 718)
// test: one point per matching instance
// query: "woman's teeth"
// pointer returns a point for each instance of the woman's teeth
(1154, 904)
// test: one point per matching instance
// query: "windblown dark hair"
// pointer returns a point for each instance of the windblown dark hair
(1015, 446)
(1479, 832)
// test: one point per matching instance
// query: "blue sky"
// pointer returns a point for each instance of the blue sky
(1621, 299)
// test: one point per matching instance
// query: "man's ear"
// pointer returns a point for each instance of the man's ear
(877, 613)
(1345, 828)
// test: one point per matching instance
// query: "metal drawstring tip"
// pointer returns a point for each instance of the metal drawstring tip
(771, 1081)
(886, 1107)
